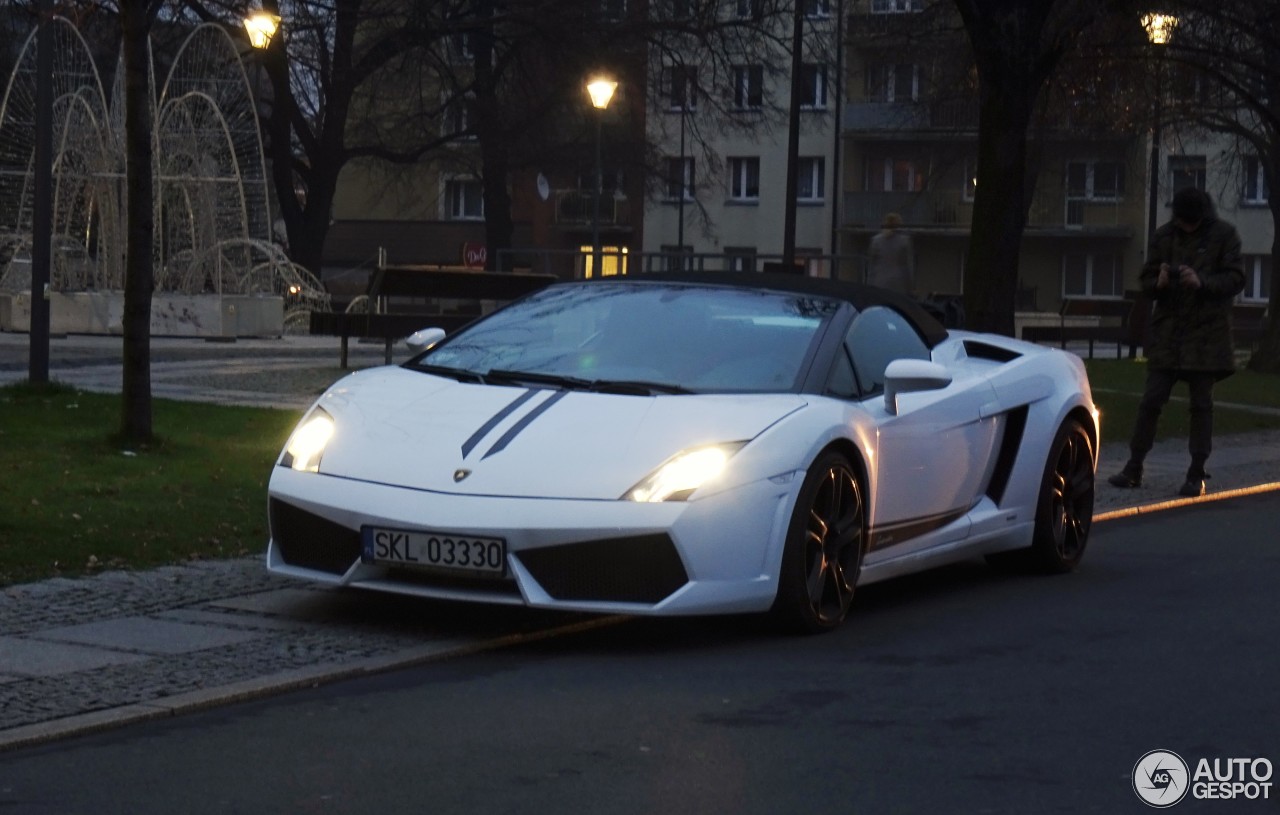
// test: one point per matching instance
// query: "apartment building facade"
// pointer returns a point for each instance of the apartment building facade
(723, 131)
(897, 133)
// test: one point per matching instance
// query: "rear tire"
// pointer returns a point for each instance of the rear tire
(826, 541)
(1064, 509)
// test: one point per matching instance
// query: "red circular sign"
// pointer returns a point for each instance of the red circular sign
(474, 255)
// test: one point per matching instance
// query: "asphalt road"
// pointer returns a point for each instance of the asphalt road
(959, 691)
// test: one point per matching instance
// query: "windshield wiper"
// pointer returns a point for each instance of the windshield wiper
(452, 373)
(626, 387)
(500, 376)
(636, 387)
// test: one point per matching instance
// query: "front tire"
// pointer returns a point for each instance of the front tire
(826, 541)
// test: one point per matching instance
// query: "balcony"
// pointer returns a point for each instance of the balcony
(919, 209)
(949, 115)
(577, 207)
(941, 211)
(865, 28)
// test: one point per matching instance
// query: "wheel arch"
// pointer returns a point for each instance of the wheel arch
(850, 451)
(1082, 415)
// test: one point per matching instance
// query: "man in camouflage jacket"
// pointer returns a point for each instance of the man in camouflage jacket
(1192, 274)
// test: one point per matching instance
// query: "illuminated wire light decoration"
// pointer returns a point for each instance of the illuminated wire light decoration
(214, 232)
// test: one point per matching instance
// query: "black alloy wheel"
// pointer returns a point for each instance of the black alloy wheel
(825, 545)
(1064, 512)
(1064, 507)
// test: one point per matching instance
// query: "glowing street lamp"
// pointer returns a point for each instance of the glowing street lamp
(600, 89)
(261, 26)
(1159, 28)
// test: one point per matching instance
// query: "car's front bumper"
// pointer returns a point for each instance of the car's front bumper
(718, 554)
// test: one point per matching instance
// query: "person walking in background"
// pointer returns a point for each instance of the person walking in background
(1193, 272)
(891, 259)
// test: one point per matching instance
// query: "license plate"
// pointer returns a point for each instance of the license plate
(439, 551)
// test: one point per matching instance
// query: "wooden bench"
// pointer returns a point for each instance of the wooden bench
(1121, 321)
(405, 299)
(1248, 324)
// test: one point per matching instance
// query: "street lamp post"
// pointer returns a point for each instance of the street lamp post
(1159, 28)
(684, 185)
(601, 90)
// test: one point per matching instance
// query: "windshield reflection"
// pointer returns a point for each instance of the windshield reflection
(638, 337)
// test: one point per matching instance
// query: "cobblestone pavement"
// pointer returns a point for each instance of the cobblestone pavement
(100, 651)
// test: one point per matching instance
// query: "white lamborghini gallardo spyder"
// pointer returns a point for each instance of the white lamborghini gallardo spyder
(688, 444)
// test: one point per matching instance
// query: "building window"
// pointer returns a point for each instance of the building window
(458, 117)
(810, 177)
(681, 9)
(750, 9)
(895, 175)
(817, 8)
(748, 87)
(740, 258)
(680, 178)
(464, 199)
(1095, 180)
(813, 86)
(744, 179)
(680, 86)
(461, 47)
(1255, 182)
(1186, 171)
(897, 82)
(1257, 279)
(895, 6)
(1092, 275)
(613, 11)
(970, 184)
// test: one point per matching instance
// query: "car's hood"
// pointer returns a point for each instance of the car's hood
(402, 427)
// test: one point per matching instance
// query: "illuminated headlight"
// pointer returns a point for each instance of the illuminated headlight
(307, 443)
(683, 473)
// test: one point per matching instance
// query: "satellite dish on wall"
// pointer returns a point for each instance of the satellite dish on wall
(544, 187)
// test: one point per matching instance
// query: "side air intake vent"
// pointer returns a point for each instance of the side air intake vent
(1010, 443)
(982, 350)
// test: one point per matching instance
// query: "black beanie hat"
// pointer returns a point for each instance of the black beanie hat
(1188, 205)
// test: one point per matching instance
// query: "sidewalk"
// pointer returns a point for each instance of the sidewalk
(83, 654)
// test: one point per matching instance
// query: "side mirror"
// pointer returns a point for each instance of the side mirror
(424, 339)
(911, 375)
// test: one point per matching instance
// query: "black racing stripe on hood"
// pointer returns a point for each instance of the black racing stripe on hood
(524, 422)
(487, 427)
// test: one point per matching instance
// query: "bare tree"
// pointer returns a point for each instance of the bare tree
(1016, 46)
(1228, 58)
(383, 82)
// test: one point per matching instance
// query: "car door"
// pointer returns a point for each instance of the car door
(934, 452)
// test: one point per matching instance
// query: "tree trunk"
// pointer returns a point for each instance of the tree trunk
(999, 211)
(135, 423)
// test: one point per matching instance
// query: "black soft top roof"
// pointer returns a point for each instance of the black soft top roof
(858, 295)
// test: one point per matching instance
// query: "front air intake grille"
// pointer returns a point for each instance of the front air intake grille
(640, 569)
(308, 541)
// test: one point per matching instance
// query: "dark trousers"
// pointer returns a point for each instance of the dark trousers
(1160, 382)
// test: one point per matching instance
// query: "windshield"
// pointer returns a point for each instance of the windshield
(638, 337)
